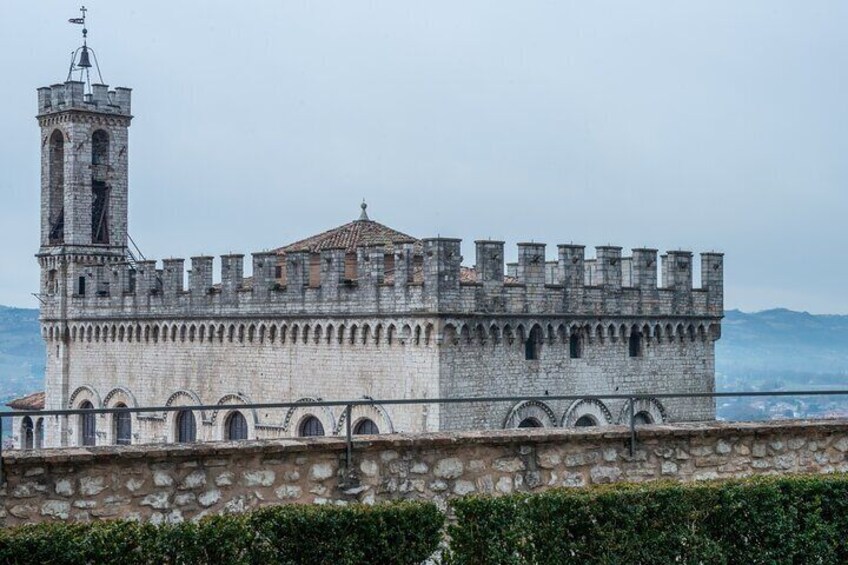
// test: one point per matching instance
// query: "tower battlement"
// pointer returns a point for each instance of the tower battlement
(71, 95)
(403, 282)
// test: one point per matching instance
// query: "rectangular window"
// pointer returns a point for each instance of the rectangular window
(131, 281)
(635, 344)
(81, 286)
(99, 212)
(574, 347)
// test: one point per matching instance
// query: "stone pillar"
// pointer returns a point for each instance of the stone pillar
(490, 265)
(712, 280)
(264, 273)
(200, 277)
(442, 260)
(677, 272)
(232, 276)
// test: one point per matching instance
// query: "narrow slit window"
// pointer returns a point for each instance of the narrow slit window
(574, 347)
(635, 344)
(99, 212)
(533, 345)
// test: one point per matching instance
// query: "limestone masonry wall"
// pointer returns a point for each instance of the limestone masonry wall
(172, 483)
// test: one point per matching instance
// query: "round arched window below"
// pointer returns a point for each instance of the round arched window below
(642, 418)
(530, 423)
(236, 426)
(123, 426)
(311, 427)
(585, 422)
(39, 433)
(26, 433)
(88, 424)
(366, 427)
(186, 427)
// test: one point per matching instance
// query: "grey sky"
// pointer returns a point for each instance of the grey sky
(702, 125)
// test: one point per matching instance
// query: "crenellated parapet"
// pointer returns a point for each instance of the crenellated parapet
(432, 280)
(71, 95)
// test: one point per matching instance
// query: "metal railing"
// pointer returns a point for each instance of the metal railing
(350, 404)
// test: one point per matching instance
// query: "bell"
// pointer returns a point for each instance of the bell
(83, 60)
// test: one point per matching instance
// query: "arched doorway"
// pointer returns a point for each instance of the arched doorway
(366, 427)
(235, 426)
(530, 423)
(585, 421)
(186, 427)
(88, 425)
(311, 427)
(642, 418)
(39, 433)
(26, 433)
(123, 426)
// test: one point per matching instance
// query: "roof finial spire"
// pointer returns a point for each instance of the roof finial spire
(364, 215)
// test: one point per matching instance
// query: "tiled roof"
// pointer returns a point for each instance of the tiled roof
(469, 275)
(350, 236)
(34, 401)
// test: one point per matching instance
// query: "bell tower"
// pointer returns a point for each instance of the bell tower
(84, 173)
(84, 182)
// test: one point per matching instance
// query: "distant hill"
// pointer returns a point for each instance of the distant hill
(21, 353)
(770, 350)
(796, 347)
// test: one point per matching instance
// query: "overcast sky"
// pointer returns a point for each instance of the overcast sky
(714, 125)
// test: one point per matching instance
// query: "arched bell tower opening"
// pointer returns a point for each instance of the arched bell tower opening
(99, 188)
(56, 182)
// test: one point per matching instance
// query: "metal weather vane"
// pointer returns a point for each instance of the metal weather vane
(82, 64)
(81, 20)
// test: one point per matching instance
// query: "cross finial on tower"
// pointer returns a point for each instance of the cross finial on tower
(81, 21)
(364, 214)
(82, 56)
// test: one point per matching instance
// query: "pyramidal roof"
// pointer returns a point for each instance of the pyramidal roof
(363, 231)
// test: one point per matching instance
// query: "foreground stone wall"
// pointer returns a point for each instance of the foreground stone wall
(171, 483)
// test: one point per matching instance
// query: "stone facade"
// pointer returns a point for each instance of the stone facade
(362, 310)
(172, 483)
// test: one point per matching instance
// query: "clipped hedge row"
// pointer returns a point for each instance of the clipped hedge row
(800, 519)
(405, 532)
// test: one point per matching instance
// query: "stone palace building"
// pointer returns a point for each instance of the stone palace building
(359, 311)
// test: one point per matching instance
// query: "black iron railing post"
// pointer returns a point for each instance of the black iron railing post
(632, 427)
(1, 451)
(349, 440)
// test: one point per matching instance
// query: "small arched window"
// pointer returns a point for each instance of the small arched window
(533, 345)
(236, 426)
(642, 418)
(100, 148)
(26, 433)
(39, 433)
(366, 427)
(123, 426)
(186, 427)
(311, 427)
(88, 425)
(585, 421)
(530, 423)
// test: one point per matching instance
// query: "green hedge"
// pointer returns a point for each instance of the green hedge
(406, 532)
(791, 520)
